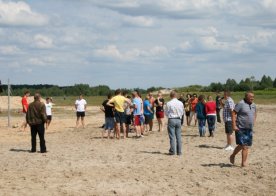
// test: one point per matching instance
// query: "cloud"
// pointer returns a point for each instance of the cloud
(139, 21)
(9, 50)
(20, 14)
(113, 52)
(269, 4)
(42, 41)
(41, 61)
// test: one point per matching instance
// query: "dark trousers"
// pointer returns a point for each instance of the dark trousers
(40, 130)
(218, 115)
(182, 119)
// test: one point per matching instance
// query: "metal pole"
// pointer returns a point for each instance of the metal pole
(9, 102)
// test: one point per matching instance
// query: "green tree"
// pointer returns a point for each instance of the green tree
(274, 83)
(231, 85)
(266, 82)
(215, 87)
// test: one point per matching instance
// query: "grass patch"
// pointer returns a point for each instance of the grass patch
(261, 97)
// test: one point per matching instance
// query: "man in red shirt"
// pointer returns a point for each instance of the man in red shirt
(25, 106)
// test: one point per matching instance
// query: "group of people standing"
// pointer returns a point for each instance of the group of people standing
(121, 111)
(238, 118)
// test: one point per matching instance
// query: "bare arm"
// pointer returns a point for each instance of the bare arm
(149, 109)
(234, 117)
(109, 103)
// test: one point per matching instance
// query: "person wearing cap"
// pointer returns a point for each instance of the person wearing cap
(174, 111)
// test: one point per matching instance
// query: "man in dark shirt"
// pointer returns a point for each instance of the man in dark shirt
(109, 117)
(36, 117)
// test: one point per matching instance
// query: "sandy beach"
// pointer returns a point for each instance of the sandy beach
(80, 162)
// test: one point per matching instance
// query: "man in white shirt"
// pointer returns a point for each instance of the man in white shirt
(80, 106)
(174, 111)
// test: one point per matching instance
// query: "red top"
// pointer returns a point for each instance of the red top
(24, 103)
(193, 103)
(210, 108)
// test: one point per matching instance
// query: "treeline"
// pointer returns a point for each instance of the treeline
(246, 84)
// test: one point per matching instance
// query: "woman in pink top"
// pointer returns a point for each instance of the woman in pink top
(210, 109)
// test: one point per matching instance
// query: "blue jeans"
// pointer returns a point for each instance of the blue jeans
(211, 120)
(201, 127)
(174, 130)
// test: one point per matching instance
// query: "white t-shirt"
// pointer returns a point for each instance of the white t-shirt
(80, 105)
(48, 109)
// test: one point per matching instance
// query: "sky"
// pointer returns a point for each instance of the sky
(136, 43)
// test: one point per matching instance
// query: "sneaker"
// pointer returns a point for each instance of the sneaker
(229, 148)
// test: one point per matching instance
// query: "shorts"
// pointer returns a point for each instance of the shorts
(80, 114)
(148, 119)
(159, 114)
(228, 127)
(128, 119)
(244, 137)
(109, 123)
(120, 117)
(137, 120)
(187, 113)
(142, 119)
(49, 117)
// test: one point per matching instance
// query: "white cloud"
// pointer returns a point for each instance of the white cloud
(269, 4)
(234, 46)
(42, 61)
(185, 45)
(42, 41)
(113, 52)
(138, 21)
(9, 50)
(20, 13)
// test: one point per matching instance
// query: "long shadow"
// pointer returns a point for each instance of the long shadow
(207, 146)
(18, 150)
(187, 135)
(154, 152)
(221, 165)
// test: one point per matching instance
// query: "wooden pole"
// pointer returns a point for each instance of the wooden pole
(9, 102)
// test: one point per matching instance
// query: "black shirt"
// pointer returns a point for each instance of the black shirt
(158, 107)
(108, 110)
(182, 100)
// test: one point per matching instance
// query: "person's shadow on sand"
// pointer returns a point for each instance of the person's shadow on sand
(208, 146)
(221, 165)
(155, 152)
(19, 150)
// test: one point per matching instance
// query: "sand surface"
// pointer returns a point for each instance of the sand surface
(79, 162)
